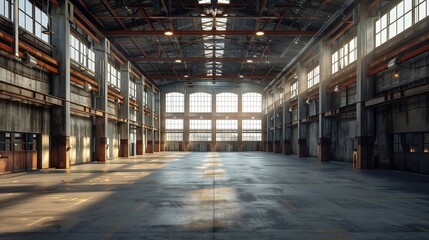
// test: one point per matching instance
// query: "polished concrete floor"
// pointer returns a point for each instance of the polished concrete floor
(249, 195)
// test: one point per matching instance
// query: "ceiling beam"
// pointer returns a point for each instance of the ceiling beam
(127, 33)
(199, 59)
(172, 77)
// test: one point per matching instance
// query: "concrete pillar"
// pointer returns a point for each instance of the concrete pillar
(60, 123)
(287, 118)
(302, 111)
(186, 131)
(365, 88)
(124, 110)
(140, 146)
(240, 122)
(101, 64)
(324, 136)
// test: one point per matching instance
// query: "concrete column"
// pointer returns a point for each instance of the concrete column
(324, 136)
(365, 88)
(213, 121)
(158, 120)
(240, 122)
(302, 111)
(124, 110)
(151, 95)
(287, 117)
(101, 63)
(186, 131)
(140, 146)
(60, 123)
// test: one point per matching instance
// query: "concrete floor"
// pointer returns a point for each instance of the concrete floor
(249, 195)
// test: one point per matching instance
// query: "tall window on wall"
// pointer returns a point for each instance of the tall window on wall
(422, 9)
(133, 90)
(251, 102)
(344, 56)
(398, 19)
(175, 102)
(226, 102)
(174, 129)
(81, 53)
(252, 130)
(313, 77)
(200, 102)
(31, 17)
(114, 77)
(294, 89)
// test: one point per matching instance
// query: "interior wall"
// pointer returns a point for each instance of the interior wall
(80, 139)
(343, 140)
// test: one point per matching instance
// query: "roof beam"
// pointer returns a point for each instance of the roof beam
(211, 77)
(127, 33)
(198, 59)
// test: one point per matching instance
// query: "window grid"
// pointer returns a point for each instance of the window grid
(398, 19)
(227, 137)
(200, 102)
(422, 9)
(252, 136)
(226, 102)
(344, 56)
(294, 89)
(313, 77)
(113, 76)
(200, 137)
(133, 90)
(174, 137)
(174, 124)
(175, 102)
(4, 9)
(81, 53)
(251, 102)
(197, 124)
(226, 124)
(254, 124)
(426, 143)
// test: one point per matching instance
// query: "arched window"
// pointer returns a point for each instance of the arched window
(252, 102)
(226, 102)
(200, 102)
(175, 102)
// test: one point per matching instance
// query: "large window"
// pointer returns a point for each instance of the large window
(174, 137)
(294, 89)
(252, 124)
(252, 136)
(344, 56)
(226, 102)
(313, 77)
(398, 19)
(200, 124)
(422, 9)
(200, 102)
(252, 102)
(114, 77)
(133, 90)
(82, 54)
(220, 137)
(226, 124)
(175, 102)
(426, 143)
(200, 137)
(174, 124)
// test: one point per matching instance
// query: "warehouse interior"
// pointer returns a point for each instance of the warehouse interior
(227, 113)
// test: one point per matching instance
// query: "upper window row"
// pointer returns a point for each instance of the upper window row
(399, 18)
(202, 102)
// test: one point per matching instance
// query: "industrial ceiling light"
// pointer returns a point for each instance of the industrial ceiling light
(178, 61)
(394, 63)
(290, 109)
(168, 33)
(249, 60)
(396, 75)
(308, 101)
(260, 33)
(186, 75)
(47, 30)
(241, 76)
(336, 88)
(87, 87)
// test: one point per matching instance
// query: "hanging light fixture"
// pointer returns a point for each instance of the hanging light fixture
(48, 31)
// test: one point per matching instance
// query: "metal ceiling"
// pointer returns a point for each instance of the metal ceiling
(212, 40)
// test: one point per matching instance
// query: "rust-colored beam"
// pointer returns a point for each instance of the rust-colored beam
(198, 59)
(190, 78)
(127, 33)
